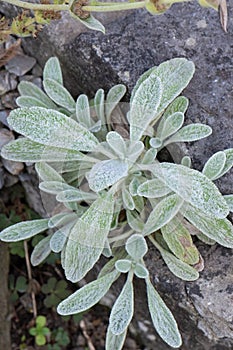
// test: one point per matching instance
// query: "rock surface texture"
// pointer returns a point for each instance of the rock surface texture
(133, 44)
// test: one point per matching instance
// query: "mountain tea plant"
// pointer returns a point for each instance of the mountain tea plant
(116, 194)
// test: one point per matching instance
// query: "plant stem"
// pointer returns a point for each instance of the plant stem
(41, 7)
(29, 271)
(115, 6)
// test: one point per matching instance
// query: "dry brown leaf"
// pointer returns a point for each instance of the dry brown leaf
(223, 14)
(7, 54)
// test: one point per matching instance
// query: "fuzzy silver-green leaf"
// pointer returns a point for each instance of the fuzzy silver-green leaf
(23, 230)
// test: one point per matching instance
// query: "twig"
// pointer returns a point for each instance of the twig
(86, 336)
(29, 271)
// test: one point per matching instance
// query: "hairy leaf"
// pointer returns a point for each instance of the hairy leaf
(180, 104)
(134, 220)
(75, 195)
(23, 230)
(28, 101)
(141, 271)
(28, 89)
(99, 105)
(83, 111)
(87, 238)
(220, 230)
(59, 94)
(61, 219)
(90, 22)
(180, 241)
(162, 318)
(163, 212)
(51, 128)
(122, 311)
(123, 265)
(144, 106)
(113, 341)
(25, 150)
(194, 187)
(214, 165)
(54, 187)
(172, 124)
(107, 173)
(188, 133)
(153, 189)
(174, 74)
(52, 70)
(114, 96)
(41, 251)
(117, 144)
(59, 237)
(87, 296)
(128, 201)
(47, 173)
(229, 199)
(179, 268)
(136, 246)
(229, 161)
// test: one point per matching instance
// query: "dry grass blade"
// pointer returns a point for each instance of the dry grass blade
(6, 55)
(223, 14)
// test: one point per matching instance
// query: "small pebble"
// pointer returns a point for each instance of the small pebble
(5, 84)
(14, 168)
(20, 64)
(8, 100)
(3, 117)
(10, 180)
(5, 137)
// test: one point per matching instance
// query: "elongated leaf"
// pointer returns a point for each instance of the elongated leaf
(87, 238)
(136, 247)
(61, 219)
(163, 212)
(135, 149)
(133, 186)
(180, 104)
(194, 187)
(52, 70)
(58, 93)
(47, 173)
(153, 189)
(149, 156)
(28, 101)
(205, 239)
(229, 161)
(114, 96)
(90, 22)
(75, 195)
(117, 143)
(25, 150)
(229, 199)
(122, 311)
(214, 165)
(172, 124)
(180, 242)
(188, 133)
(28, 89)
(141, 271)
(83, 111)
(23, 230)
(134, 221)
(144, 106)
(179, 268)
(220, 230)
(128, 201)
(107, 173)
(41, 251)
(113, 341)
(51, 128)
(99, 105)
(60, 237)
(54, 187)
(162, 318)
(174, 74)
(87, 296)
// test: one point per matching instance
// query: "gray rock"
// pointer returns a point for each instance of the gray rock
(20, 64)
(10, 180)
(14, 168)
(3, 117)
(5, 84)
(5, 137)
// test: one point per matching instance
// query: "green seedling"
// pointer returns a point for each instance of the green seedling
(55, 291)
(40, 331)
